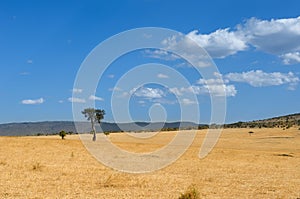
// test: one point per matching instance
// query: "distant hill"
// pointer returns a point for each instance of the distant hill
(35, 128)
(285, 121)
(53, 127)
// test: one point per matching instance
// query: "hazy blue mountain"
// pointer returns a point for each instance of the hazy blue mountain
(53, 127)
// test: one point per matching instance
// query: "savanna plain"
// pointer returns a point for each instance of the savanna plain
(264, 164)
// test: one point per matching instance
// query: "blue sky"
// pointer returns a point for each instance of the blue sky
(255, 45)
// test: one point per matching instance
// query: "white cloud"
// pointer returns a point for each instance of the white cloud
(188, 49)
(276, 36)
(33, 101)
(217, 86)
(77, 90)
(76, 100)
(212, 81)
(29, 61)
(187, 101)
(163, 101)
(111, 76)
(95, 98)
(162, 76)
(147, 92)
(115, 89)
(220, 43)
(161, 54)
(141, 102)
(214, 89)
(61, 101)
(217, 90)
(280, 37)
(259, 78)
(176, 91)
(220, 90)
(291, 58)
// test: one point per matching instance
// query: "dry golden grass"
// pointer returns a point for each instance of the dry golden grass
(263, 165)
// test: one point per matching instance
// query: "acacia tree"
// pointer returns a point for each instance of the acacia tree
(62, 134)
(93, 115)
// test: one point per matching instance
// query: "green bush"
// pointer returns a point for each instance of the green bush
(190, 193)
(62, 134)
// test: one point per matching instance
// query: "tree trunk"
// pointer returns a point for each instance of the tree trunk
(94, 131)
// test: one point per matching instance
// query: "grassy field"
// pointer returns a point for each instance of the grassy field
(265, 164)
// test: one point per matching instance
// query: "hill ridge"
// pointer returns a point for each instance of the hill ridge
(53, 127)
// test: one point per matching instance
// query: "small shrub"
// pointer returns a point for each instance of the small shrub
(106, 133)
(111, 181)
(3, 163)
(36, 166)
(190, 193)
(250, 132)
(62, 134)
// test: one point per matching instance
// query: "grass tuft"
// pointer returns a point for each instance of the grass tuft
(37, 166)
(190, 193)
(3, 163)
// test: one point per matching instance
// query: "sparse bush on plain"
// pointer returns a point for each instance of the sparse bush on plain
(106, 133)
(250, 132)
(3, 163)
(62, 134)
(190, 193)
(36, 166)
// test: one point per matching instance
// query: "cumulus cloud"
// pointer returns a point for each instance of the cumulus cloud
(95, 98)
(259, 78)
(141, 102)
(212, 81)
(76, 100)
(77, 90)
(218, 90)
(176, 91)
(276, 36)
(291, 58)
(220, 43)
(33, 101)
(214, 89)
(146, 92)
(187, 101)
(161, 54)
(280, 37)
(115, 89)
(188, 49)
(162, 76)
